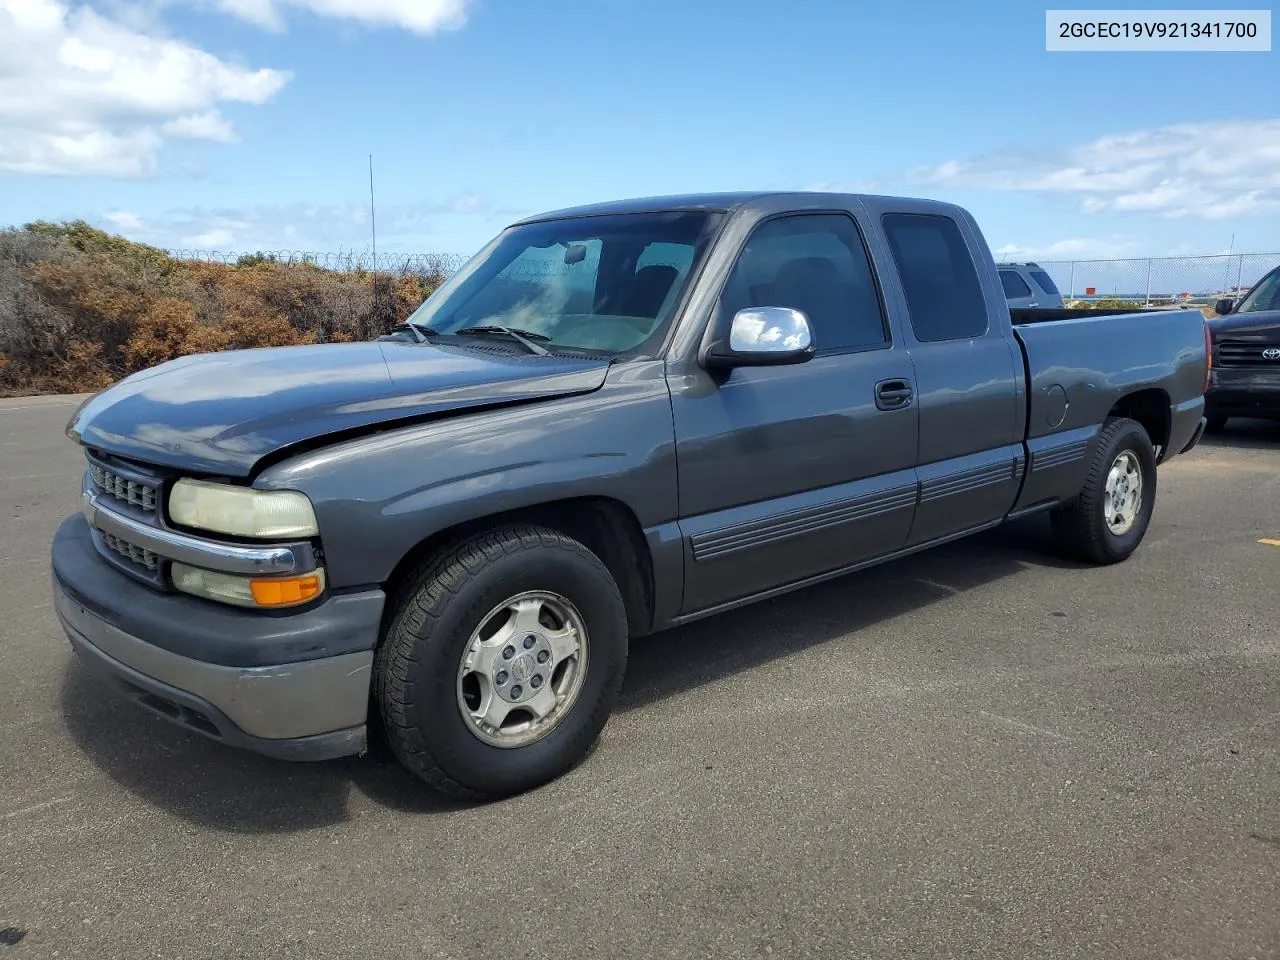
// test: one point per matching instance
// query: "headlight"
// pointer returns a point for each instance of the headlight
(247, 591)
(242, 511)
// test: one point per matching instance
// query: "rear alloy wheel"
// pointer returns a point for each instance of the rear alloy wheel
(1112, 513)
(1122, 501)
(501, 662)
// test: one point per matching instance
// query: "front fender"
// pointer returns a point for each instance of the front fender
(378, 497)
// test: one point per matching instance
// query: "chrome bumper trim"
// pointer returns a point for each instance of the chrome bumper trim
(250, 561)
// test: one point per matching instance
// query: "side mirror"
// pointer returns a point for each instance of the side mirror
(762, 337)
(1224, 306)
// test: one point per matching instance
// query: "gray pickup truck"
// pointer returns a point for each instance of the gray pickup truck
(613, 420)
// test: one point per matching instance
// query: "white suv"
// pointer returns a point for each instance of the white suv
(1027, 285)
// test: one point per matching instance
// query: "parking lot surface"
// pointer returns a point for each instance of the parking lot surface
(981, 751)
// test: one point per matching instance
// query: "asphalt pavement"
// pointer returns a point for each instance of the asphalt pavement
(982, 751)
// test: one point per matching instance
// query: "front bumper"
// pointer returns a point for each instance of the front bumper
(289, 686)
(1244, 392)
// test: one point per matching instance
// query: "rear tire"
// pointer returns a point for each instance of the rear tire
(1106, 523)
(1216, 423)
(428, 695)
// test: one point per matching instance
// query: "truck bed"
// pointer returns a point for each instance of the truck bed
(1021, 316)
(1076, 370)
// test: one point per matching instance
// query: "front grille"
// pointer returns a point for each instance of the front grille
(133, 492)
(135, 554)
(1245, 353)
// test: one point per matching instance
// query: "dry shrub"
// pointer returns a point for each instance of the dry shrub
(76, 367)
(80, 308)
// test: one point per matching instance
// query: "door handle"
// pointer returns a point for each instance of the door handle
(1034, 303)
(893, 394)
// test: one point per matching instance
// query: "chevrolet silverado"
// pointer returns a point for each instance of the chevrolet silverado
(613, 420)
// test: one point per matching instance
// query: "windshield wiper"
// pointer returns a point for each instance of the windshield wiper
(523, 337)
(421, 333)
(422, 328)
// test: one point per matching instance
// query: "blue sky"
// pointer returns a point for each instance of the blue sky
(245, 124)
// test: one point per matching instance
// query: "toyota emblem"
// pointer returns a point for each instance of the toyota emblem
(1271, 353)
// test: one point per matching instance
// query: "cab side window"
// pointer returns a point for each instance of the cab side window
(943, 294)
(817, 264)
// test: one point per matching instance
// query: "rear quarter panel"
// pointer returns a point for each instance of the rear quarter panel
(1079, 369)
(1096, 361)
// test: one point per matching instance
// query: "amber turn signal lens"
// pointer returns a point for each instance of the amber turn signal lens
(283, 593)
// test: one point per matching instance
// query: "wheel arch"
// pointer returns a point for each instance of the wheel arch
(1149, 407)
(605, 526)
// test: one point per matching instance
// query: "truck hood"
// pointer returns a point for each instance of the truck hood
(1261, 323)
(222, 413)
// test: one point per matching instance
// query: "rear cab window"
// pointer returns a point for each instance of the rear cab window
(944, 296)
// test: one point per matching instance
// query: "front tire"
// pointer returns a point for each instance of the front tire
(1216, 423)
(1110, 517)
(501, 662)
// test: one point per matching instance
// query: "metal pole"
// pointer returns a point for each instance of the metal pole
(1239, 272)
(1072, 284)
(1147, 302)
(373, 215)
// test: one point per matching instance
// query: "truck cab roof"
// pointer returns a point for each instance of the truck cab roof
(728, 202)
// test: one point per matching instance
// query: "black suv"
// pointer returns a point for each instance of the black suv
(1245, 379)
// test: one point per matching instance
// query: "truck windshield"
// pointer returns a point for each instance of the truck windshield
(1265, 296)
(604, 285)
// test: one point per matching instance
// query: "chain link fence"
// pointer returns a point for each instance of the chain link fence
(1154, 281)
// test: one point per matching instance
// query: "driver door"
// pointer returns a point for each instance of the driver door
(789, 472)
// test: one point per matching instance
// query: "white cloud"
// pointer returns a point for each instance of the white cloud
(123, 220)
(262, 13)
(1211, 170)
(469, 203)
(212, 239)
(209, 125)
(450, 225)
(420, 16)
(84, 94)
(1073, 248)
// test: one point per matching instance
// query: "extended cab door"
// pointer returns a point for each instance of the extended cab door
(968, 369)
(787, 472)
